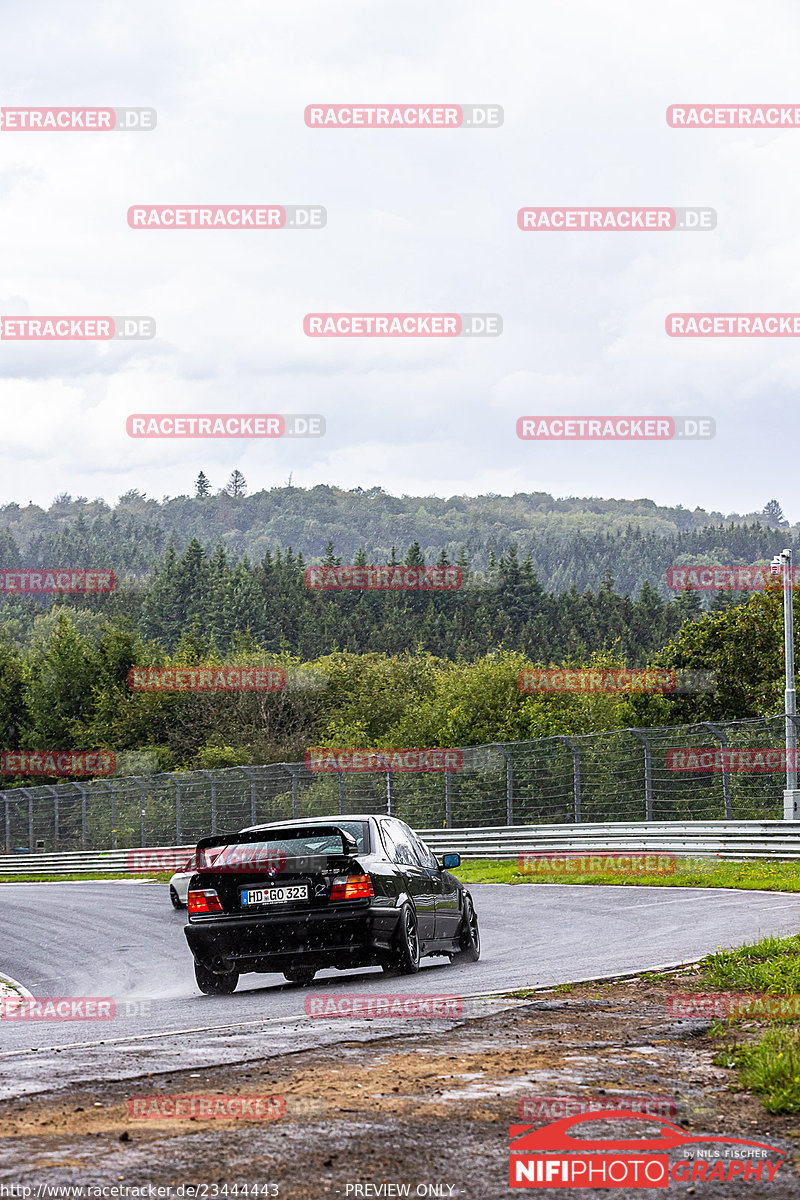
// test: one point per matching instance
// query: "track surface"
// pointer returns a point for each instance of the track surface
(123, 940)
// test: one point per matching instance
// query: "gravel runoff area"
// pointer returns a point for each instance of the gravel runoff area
(427, 1111)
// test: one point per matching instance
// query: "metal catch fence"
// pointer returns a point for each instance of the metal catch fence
(620, 775)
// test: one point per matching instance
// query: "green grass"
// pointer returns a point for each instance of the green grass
(43, 877)
(759, 875)
(771, 966)
(769, 1067)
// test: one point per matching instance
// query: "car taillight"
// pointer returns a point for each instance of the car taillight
(205, 901)
(352, 887)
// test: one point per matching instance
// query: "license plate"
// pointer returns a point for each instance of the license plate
(275, 895)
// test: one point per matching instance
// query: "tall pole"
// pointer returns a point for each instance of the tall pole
(790, 795)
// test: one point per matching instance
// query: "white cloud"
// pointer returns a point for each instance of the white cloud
(417, 221)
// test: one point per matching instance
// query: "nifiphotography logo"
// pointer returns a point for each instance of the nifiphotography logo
(550, 1157)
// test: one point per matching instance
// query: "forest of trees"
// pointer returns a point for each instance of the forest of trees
(569, 542)
(268, 606)
(363, 668)
(67, 689)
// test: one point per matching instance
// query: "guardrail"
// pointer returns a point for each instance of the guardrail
(722, 839)
(735, 840)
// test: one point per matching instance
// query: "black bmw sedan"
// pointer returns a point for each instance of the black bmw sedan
(299, 896)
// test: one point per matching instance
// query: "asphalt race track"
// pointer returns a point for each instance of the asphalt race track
(124, 940)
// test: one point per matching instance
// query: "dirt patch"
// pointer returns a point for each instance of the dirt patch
(428, 1111)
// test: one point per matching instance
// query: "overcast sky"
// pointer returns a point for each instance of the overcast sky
(417, 221)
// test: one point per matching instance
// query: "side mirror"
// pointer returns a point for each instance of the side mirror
(450, 860)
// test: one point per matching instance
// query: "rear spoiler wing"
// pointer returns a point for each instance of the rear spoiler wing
(349, 844)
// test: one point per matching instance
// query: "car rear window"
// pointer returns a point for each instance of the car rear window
(277, 846)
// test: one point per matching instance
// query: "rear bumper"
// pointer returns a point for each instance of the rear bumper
(336, 937)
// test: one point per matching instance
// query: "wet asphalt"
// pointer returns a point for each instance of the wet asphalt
(124, 941)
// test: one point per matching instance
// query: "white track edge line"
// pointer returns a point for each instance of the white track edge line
(16, 986)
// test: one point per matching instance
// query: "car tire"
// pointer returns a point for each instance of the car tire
(212, 984)
(469, 936)
(301, 975)
(406, 961)
(173, 895)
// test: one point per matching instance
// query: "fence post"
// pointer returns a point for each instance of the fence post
(52, 787)
(8, 822)
(31, 840)
(448, 800)
(341, 792)
(509, 782)
(252, 794)
(576, 776)
(81, 788)
(726, 772)
(209, 775)
(287, 767)
(389, 794)
(509, 760)
(113, 815)
(142, 809)
(648, 773)
(177, 812)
